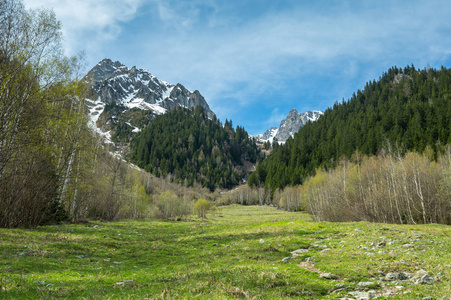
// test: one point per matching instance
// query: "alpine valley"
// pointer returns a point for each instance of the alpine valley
(167, 129)
(119, 185)
(123, 101)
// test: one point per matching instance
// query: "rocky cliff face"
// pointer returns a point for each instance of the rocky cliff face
(114, 82)
(289, 126)
(268, 135)
(120, 95)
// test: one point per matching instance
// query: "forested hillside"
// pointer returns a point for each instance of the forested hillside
(406, 108)
(193, 148)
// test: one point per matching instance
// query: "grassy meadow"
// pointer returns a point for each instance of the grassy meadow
(239, 252)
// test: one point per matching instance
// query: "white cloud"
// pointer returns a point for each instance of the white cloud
(276, 117)
(255, 59)
(182, 15)
(89, 21)
(256, 56)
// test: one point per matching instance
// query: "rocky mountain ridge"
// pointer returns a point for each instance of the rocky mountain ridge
(131, 97)
(289, 126)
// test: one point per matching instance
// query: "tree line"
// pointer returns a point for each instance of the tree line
(407, 107)
(192, 148)
(388, 188)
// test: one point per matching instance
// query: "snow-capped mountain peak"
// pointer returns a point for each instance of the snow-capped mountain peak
(114, 84)
(113, 81)
(268, 135)
(289, 126)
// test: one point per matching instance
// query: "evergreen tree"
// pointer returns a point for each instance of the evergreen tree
(406, 107)
(188, 145)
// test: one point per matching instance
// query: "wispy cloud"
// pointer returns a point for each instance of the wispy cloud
(259, 57)
(255, 55)
(276, 116)
(87, 22)
(183, 15)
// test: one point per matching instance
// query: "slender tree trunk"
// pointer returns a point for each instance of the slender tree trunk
(395, 194)
(416, 179)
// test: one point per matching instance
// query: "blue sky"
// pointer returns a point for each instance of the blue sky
(253, 60)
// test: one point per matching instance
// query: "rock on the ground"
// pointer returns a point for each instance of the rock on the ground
(286, 259)
(396, 276)
(363, 295)
(422, 272)
(426, 279)
(368, 284)
(300, 251)
(124, 282)
(327, 276)
(25, 252)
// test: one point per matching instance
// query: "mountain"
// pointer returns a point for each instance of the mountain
(124, 100)
(405, 110)
(168, 129)
(195, 149)
(268, 135)
(289, 126)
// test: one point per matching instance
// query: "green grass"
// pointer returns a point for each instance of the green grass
(235, 254)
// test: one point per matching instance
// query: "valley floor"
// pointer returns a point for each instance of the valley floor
(240, 252)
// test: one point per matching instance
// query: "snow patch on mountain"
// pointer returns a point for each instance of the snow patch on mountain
(268, 135)
(138, 88)
(289, 126)
(95, 110)
(119, 91)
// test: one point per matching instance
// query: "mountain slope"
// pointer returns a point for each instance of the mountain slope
(406, 107)
(289, 126)
(191, 147)
(123, 101)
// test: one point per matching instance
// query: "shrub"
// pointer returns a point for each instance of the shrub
(170, 206)
(201, 207)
